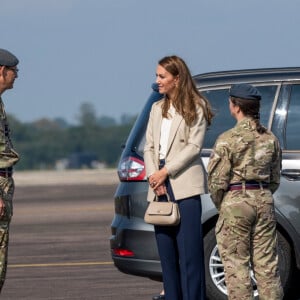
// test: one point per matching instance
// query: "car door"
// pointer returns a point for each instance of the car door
(286, 127)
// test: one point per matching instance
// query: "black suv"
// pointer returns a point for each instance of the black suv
(133, 244)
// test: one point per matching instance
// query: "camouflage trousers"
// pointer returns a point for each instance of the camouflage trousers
(7, 189)
(246, 235)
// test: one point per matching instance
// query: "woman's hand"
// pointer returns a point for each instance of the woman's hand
(158, 178)
(161, 190)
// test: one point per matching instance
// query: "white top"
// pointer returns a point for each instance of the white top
(165, 132)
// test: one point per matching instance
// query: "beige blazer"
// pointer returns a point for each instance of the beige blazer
(183, 162)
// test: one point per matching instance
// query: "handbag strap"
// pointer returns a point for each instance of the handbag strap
(167, 195)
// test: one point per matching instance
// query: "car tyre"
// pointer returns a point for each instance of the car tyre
(211, 255)
(286, 267)
(214, 270)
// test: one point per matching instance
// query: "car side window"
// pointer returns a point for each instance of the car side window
(268, 93)
(223, 121)
(293, 120)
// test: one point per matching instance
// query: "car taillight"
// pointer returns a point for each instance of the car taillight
(123, 252)
(131, 169)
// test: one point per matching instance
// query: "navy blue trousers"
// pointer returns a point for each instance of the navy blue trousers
(181, 252)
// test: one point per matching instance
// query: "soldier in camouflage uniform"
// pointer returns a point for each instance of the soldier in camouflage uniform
(243, 173)
(8, 157)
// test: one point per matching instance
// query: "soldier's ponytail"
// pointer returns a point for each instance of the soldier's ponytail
(250, 108)
(259, 128)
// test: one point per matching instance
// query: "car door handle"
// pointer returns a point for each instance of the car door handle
(291, 174)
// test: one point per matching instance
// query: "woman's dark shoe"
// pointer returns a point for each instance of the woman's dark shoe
(158, 297)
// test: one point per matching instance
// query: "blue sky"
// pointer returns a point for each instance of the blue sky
(105, 52)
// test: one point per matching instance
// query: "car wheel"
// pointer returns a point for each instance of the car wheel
(286, 268)
(214, 270)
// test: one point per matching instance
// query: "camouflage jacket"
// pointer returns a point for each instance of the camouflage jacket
(242, 154)
(8, 156)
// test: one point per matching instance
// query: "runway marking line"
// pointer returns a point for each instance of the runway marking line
(67, 264)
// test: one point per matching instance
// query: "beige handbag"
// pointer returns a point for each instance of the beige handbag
(162, 213)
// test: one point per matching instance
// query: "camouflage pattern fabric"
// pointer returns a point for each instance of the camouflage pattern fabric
(246, 233)
(241, 154)
(246, 228)
(7, 188)
(8, 158)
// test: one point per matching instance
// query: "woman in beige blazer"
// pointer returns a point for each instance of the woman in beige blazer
(174, 138)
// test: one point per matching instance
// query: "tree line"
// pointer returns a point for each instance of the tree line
(41, 144)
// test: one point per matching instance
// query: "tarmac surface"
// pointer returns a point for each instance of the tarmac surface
(66, 177)
(59, 240)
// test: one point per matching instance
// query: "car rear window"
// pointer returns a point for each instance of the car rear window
(223, 121)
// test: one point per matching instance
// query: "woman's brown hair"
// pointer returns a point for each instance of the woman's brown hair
(250, 108)
(187, 96)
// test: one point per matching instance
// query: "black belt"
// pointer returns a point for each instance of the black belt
(6, 172)
(249, 185)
